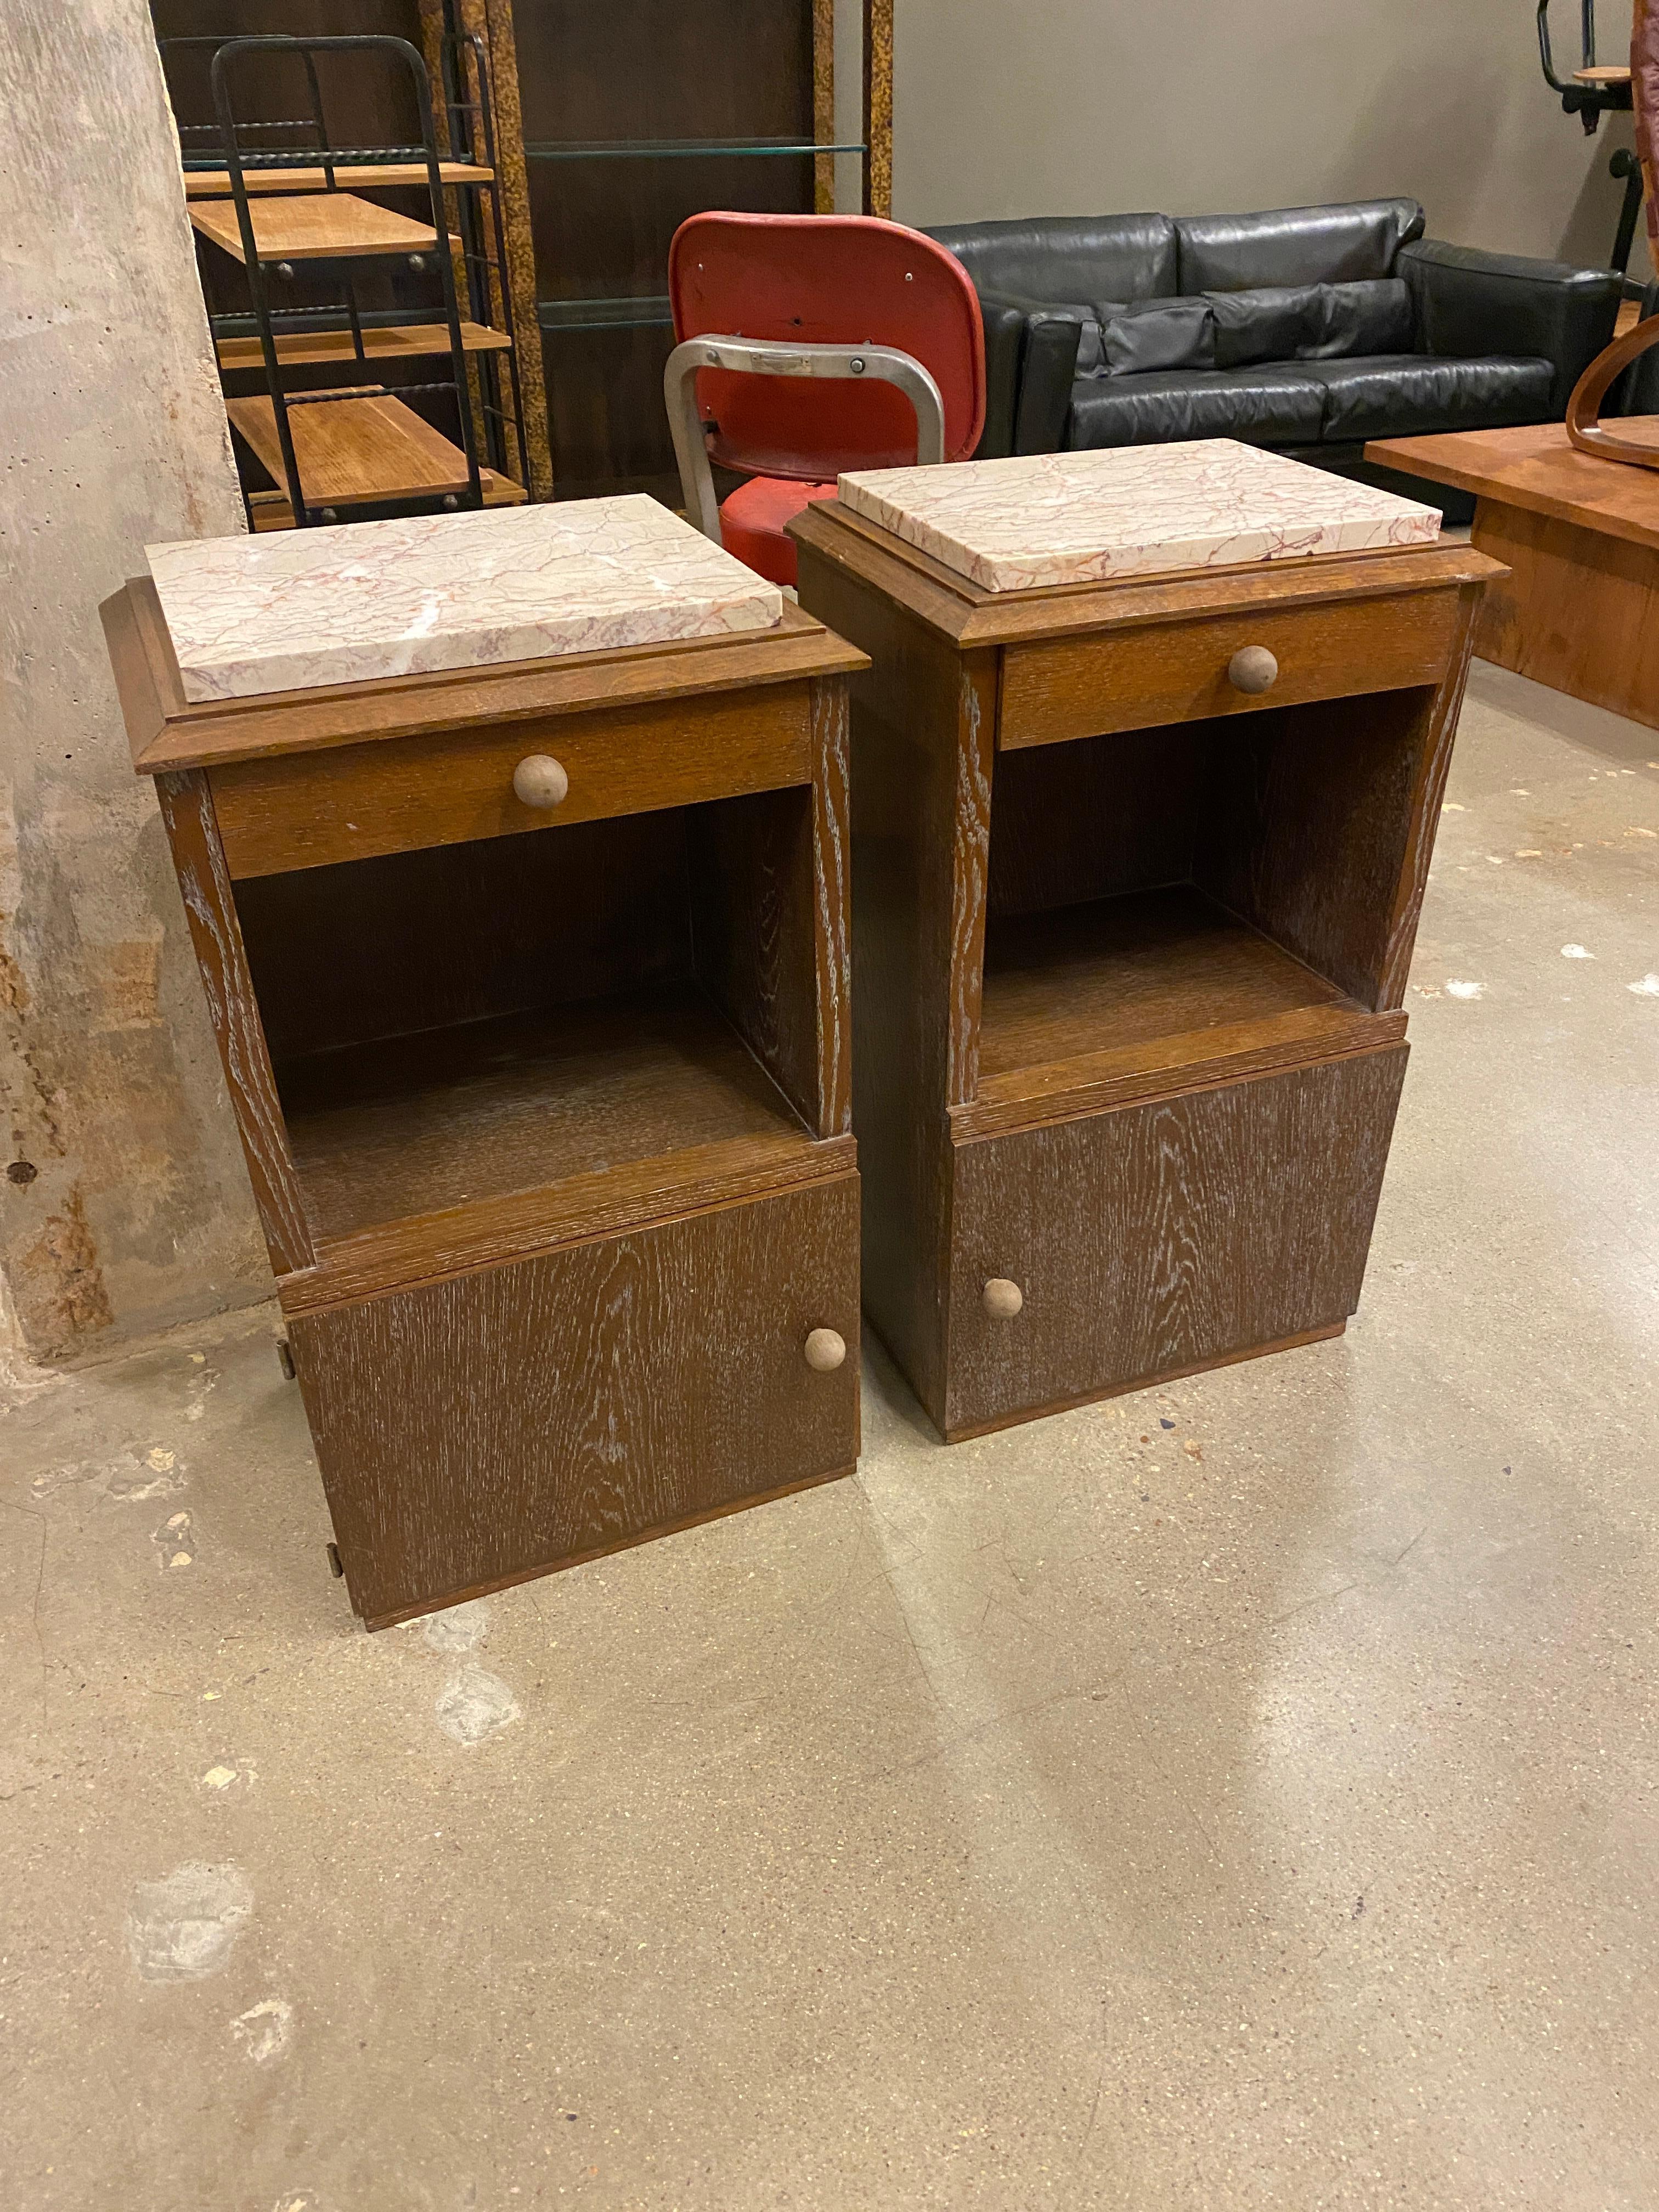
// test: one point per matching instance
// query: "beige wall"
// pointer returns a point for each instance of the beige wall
(124, 1202)
(1007, 107)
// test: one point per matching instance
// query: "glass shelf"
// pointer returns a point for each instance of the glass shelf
(644, 313)
(638, 150)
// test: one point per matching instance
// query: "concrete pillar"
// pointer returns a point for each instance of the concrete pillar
(124, 1205)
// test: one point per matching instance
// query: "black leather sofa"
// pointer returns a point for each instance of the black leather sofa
(1309, 330)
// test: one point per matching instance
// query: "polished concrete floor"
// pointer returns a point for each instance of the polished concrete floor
(1239, 1794)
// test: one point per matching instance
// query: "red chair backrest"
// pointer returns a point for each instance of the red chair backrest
(826, 280)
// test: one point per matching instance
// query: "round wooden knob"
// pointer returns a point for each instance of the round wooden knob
(826, 1350)
(539, 781)
(1252, 669)
(1001, 1299)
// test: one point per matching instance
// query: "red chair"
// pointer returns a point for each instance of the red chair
(766, 307)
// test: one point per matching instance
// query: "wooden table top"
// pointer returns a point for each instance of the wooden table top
(1535, 467)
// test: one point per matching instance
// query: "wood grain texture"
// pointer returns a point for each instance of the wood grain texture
(348, 451)
(364, 176)
(832, 865)
(967, 616)
(1537, 469)
(750, 865)
(382, 342)
(1077, 687)
(274, 510)
(879, 106)
(1319, 828)
(430, 1248)
(769, 922)
(417, 1125)
(1579, 610)
(209, 906)
(968, 1430)
(460, 933)
(1111, 1075)
(823, 105)
(1096, 818)
(922, 732)
(500, 43)
(513, 1419)
(1219, 1221)
(1128, 970)
(313, 226)
(279, 723)
(351, 802)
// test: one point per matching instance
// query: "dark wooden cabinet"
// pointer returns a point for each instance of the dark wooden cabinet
(1130, 950)
(548, 1115)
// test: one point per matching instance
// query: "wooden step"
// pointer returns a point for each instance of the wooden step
(313, 226)
(349, 451)
(400, 341)
(372, 176)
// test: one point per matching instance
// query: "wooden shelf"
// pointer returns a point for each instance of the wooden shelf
(1603, 73)
(390, 341)
(272, 512)
(393, 1131)
(350, 450)
(372, 176)
(313, 226)
(1146, 993)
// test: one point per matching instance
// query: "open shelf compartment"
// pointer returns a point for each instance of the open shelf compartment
(564, 1014)
(1192, 901)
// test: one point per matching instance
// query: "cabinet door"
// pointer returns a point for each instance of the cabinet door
(1166, 1237)
(489, 1427)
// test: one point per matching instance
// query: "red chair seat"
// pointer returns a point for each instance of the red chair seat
(752, 523)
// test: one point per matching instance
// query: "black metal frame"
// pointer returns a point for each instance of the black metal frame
(1590, 103)
(473, 377)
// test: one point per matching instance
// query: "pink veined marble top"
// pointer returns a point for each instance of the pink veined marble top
(290, 610)
(1043, 519)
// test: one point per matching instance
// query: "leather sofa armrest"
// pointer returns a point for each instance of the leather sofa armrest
(1043, 346)
(1005, 342)
(1470, 302)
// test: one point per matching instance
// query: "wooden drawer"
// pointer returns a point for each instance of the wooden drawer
(347, 803)
(1136, 678)
(1164, 1236)
(522, 1417)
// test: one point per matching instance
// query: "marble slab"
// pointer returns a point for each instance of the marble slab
(1045, 519)
(290, 610)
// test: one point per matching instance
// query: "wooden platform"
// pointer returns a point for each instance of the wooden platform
(313, 226)
(412, 1126)
(393, 342)
(352, 450)
(1579, 610)
(375, 176)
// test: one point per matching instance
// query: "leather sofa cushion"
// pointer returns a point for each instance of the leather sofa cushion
(1115, 257)
(1089, 354)
(1294, 246)
(1374, 315)
(1274, 324)
(1267, 407)
(1398, 395)
(1310, 322)
(1151, 334)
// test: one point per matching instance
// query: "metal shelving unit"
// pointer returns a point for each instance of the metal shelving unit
(290, 213)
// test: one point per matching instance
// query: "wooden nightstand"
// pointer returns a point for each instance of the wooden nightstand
(530, 983)
(1137, 867)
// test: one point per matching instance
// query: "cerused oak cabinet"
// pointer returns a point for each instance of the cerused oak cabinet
(530, 987)
(1130, 942)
